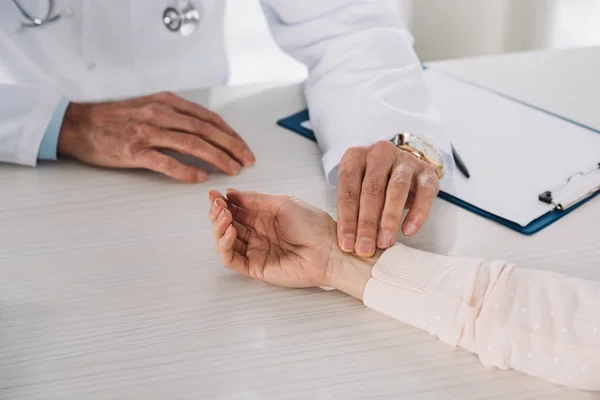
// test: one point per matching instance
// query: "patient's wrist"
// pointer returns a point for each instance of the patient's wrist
(350, 273)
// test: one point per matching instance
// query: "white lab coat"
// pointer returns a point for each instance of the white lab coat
(365, 82)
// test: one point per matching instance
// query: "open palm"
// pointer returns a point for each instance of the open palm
(277, 239)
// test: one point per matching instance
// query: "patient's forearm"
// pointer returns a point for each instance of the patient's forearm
(538, 322)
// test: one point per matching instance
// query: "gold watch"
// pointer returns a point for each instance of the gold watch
(421, 148)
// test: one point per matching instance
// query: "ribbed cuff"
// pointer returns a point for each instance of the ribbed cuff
(398, 280)
(407, 267)
(427, 291)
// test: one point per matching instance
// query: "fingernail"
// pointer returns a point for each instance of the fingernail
(220, 203)
(384, 239)
(235, 166)
(249, 157)
(366, 247)
(348, 242)
(409, 228)
(222, 215)
(201, 176)
(228, 231)
(216, 206)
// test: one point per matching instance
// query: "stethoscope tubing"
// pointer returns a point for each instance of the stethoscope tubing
(33, 21)
(174, 19)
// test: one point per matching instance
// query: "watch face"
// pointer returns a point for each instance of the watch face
(426, 147)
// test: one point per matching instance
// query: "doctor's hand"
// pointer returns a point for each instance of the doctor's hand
(376, 184)
(132, 133)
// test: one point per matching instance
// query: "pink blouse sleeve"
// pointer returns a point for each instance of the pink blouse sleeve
(538, 322)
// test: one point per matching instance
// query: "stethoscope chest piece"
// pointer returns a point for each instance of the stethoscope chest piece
(183, 19)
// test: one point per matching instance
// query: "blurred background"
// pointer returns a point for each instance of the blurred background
(442, 29)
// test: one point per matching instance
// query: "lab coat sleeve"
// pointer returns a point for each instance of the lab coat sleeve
(25, 113)
(365, 81)
(49, 146)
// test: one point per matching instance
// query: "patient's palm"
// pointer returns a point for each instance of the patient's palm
(291, 245)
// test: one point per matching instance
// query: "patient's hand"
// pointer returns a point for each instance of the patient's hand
(277, 239)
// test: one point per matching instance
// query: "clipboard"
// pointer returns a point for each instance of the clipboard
(295, 122)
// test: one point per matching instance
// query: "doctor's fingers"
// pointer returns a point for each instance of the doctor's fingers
(397, 193)
(184, 106)
(165, 116)
(350, 176)
(426, 187)
(195, 110)
(380, 159)
(161, 163)
(192, 145)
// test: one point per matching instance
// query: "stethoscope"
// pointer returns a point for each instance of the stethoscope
(183, 18)
(33, 22)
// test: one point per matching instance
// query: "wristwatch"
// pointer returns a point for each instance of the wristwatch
(421, 148)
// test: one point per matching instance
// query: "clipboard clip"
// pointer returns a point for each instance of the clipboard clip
(564, 196)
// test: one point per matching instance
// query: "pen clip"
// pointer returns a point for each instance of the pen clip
(569, 202)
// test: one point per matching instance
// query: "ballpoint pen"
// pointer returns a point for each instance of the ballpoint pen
(460, 164)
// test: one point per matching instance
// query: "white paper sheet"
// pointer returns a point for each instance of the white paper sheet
(513, 151)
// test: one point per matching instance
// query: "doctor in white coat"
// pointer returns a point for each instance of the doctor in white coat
(365, 85)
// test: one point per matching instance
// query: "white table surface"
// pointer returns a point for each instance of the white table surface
(110, 288)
